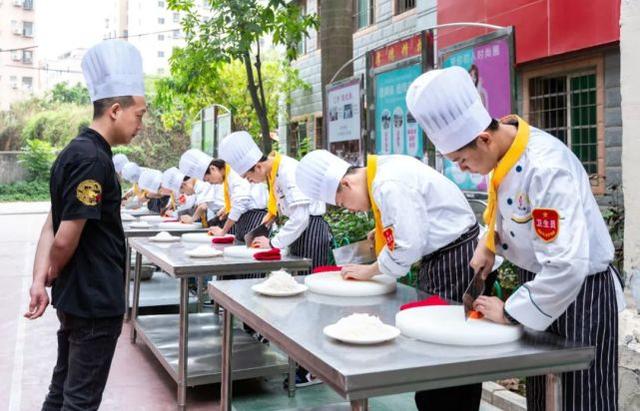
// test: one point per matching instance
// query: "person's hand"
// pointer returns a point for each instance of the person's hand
(186, 219)
(371, 235)
(51, 277)
(492, 308)
(483, 259)
(267, 220)
(38, 302)
(358, 272)
(261, 242)
(216, 231)
(221, 214)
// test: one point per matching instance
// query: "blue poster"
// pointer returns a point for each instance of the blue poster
(397, 132)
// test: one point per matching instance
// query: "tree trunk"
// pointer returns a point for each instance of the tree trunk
(261, 111)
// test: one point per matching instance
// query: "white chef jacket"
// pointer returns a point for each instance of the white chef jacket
(240, 193)
(425, 209)
(549, 176)
(293, 204)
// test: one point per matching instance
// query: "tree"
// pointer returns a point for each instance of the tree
(64, 93)
(233, 33)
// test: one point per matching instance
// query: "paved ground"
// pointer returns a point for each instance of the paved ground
(137, 382)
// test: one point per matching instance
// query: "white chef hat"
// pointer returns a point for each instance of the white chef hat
(150, 180)
(172, 179)
(318, 175)
(119, 160)
(131, 172)
(240, 151)
(448, 107)
(113, 68)
(194, 163)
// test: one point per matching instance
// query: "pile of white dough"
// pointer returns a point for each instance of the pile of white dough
(359, 326)
(280, 281)
(163, 235)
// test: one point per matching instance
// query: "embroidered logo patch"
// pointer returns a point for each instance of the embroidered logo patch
(546, 223)
(89, 192)
(388, 238)
(522, 212)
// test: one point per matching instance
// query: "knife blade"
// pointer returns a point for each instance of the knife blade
(260, 231)
(473, 291)
(360, 252)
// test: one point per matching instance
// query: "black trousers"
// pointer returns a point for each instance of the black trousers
(314, 243)
(85, 351)
(447, 273)
(592, 319)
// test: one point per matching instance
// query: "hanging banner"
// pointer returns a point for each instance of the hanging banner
(343, 104)
(397, 132)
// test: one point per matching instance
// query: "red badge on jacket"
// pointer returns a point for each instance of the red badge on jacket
(546, 223)
(388, 238)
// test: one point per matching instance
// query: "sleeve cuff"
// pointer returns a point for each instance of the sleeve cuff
(275, 242)
(521, 306)
(234, 214)
(389, 267)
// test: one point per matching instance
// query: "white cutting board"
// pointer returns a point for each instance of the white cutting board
(196, 238)
(445, 324)
(331, 283)
(241, 251)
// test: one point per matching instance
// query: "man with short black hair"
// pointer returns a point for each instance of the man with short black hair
(81, 251)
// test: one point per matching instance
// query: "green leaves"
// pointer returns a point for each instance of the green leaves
(37, 157)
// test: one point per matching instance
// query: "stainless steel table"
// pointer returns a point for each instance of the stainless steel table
(130, 232)
(359, 372)
(168, 336)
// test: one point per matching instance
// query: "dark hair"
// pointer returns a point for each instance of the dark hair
(351, 170)
(217, 163)
(102, 105)
(262, 159)
(186, 178)
(493, 126)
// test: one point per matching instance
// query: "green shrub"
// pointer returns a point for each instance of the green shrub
(37, 157)
(25, 191)
(348, 227)
(57, 126)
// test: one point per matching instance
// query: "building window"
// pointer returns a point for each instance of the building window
(27, 29)
(363, 16)
(160, 37)
(27, 5)
(161, 53)
(27, 83)
(160, 71)
(160, 20)
(161, 4)
(27, 57)
(125, 34)
(176, 17)
(404, 5)
(302, 45)
(13, 82)
(176, 34)
(565, 106)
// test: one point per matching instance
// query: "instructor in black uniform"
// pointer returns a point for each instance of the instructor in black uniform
(81, 251)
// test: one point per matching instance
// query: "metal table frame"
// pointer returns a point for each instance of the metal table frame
(181, 267)
(535, 354)
(144, 232)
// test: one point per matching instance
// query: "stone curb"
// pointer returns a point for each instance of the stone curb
(498, 396)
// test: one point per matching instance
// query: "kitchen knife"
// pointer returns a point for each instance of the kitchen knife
(360, 252)
(473, 291)
(260, 231)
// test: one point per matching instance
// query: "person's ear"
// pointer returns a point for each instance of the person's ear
(114, 111)
(258, 168)
(484, 139)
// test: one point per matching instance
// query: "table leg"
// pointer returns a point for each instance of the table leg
(554, 392)
(199, 292)
(360, 405)
(216, 309)
(291, 389)
(127, 279)
(136, 295)
(227, 344)
(183, 343)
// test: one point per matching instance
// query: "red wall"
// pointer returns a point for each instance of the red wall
(542, 27)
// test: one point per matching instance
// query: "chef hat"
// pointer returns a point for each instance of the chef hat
(194, 163)
(318, 175)
(172, 179)
(119, 160)
(150, 180)
(448, 107)
(113, 68)
(240, 151)
(131, 172)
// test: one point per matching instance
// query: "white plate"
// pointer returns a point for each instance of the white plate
(127, 217)
(197, 238)
(200, 252)
(259, 288)
(386, 333)
(331, 283)
(140, 224)
(152, 218)
(445, 324)
(177, 225)
(157, 239)
(138, 211)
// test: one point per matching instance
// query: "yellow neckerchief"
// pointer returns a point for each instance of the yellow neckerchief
(225, 185)
(372, 167)
(272, 204)
(136, 190)
(501, 170)
(172, 201)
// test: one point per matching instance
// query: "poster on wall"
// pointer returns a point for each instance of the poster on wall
(489, 64)
(397, 132)
(343, 101)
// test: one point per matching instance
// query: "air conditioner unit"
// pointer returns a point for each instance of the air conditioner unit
(14, 86)
(17, 3)
(16, 55)
(17, 30)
